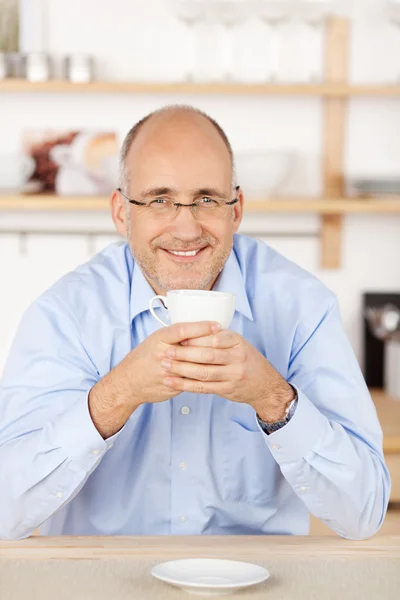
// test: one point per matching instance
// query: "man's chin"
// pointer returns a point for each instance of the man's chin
(185, 284)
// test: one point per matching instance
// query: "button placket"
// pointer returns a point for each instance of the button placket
(183, 453)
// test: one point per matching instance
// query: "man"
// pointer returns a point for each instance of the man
(112, 425)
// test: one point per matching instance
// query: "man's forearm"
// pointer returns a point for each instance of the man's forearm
(36, 478)
(339, 477)
(111, 402)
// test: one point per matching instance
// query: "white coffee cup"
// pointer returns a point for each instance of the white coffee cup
(186, 306)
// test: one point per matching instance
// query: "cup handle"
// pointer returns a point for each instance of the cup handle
(164, 300)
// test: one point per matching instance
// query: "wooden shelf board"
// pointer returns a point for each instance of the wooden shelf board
(110, 87)
(274, 205)
(324, 206)
(53, 203)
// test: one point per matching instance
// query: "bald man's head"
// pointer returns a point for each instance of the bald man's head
(175, 116)
(178, 158)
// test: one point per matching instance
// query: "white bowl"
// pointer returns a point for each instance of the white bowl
(260, 174)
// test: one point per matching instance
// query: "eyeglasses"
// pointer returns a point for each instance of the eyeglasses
(205, 208)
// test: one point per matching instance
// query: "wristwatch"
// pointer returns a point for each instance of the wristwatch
(271, 427)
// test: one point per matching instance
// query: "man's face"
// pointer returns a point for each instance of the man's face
(182, 159)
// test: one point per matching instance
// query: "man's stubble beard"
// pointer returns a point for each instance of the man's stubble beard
(150, 266)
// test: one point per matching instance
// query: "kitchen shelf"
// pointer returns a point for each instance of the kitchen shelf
(331, 206)
(335, 91)
(338, 90)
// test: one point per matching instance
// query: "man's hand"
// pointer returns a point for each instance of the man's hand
(139, 378)
(226, 364)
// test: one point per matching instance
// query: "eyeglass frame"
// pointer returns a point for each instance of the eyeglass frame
(177, 204)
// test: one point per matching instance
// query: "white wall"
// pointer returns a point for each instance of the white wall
(141, 40)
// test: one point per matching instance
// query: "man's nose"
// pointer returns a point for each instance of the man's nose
(185, 226)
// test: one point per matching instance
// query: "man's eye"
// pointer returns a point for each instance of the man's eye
(207, 200)
(159, 201)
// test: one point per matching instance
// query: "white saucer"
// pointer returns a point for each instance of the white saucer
(210, 576)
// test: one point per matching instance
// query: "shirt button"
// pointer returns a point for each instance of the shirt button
(183, 466)
(276, 447)
(303, 489)
(183, 519)
(96, 452)
(185, 410)
(110, 445)
(60, 495)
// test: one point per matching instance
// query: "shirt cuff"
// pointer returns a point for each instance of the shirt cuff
(300, 435)
(77, 435)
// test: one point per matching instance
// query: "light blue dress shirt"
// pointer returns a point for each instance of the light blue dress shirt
(196, 464)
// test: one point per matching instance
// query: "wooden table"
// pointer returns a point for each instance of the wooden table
(111, 568)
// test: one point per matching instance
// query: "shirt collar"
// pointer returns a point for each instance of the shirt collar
(141, 292)
(230, 280)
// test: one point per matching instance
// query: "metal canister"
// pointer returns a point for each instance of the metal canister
(15, 65)
(79, 68)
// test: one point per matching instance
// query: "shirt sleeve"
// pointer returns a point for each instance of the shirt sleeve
(331, 449)
(48, 442)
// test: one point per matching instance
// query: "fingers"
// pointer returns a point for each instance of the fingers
(222, 340)
(178, 384)
(186, 331)
(199, 355)
(196, 371)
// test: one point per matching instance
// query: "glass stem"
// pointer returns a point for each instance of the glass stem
(190, 52)
(274, 52)
(227, 45)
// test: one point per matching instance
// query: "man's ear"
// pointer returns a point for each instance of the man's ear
(119, 213)
(238, 211)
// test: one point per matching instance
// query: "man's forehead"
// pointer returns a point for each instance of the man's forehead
(191, 164)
